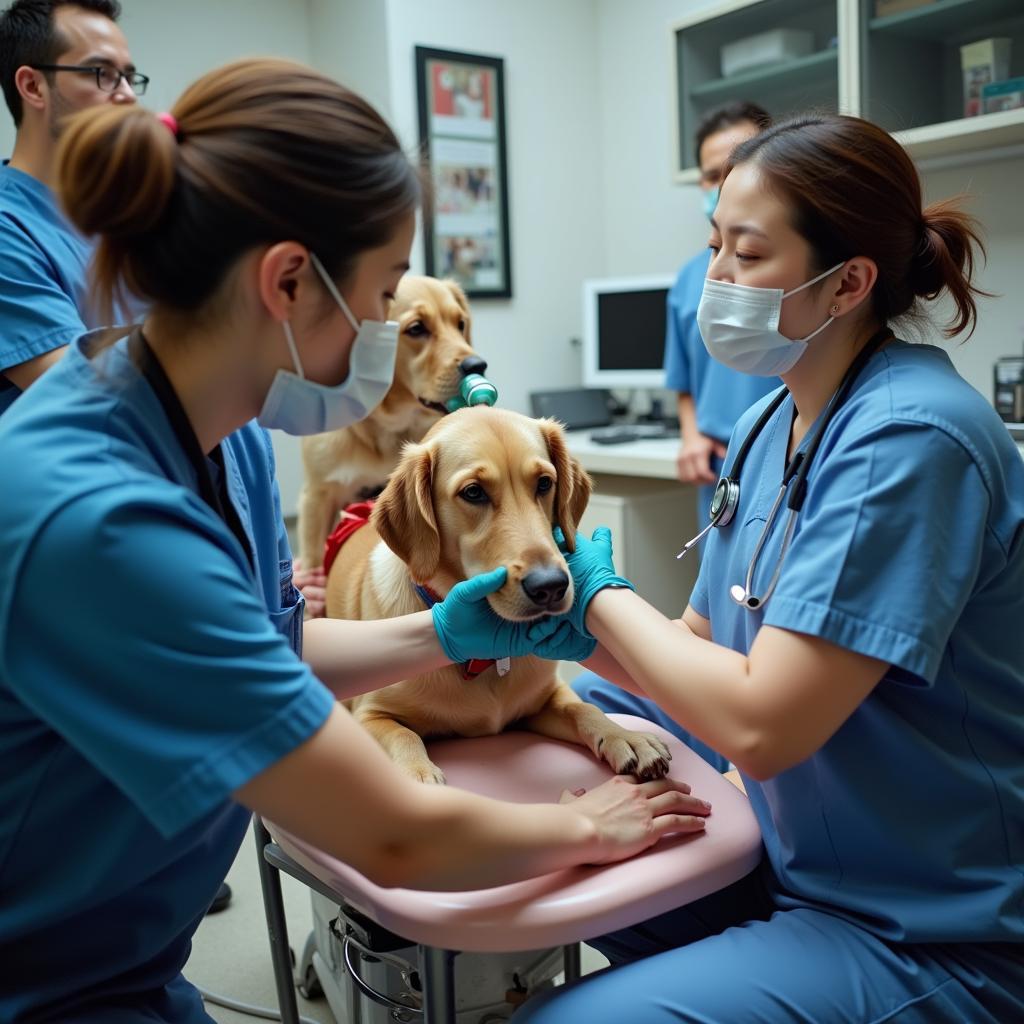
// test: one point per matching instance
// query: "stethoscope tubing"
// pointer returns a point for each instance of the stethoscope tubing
(728, 487)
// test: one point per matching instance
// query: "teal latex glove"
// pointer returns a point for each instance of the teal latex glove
(468, 628)
(566, 643)
(592, 570)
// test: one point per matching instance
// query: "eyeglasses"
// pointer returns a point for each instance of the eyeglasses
(108, 78)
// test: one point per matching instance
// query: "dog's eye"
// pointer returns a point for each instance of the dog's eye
(474, 494)
(544, 484)
(462, 326)
(417, 329)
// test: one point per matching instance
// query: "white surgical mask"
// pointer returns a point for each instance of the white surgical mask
(740, 326)
(301, 407)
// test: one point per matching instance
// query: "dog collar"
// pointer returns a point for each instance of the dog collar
(475, 666)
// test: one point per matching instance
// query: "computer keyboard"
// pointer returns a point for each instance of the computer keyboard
(625, 432)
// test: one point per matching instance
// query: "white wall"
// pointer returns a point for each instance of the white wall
(651, 224)
(555, 153)
(348, 40)
(176, 42)
(994, 189)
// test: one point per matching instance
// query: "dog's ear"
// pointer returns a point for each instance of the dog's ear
(463, 303)
(404, 513)
(573, 489)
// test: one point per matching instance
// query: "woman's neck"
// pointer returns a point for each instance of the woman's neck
(208, 375)
(815, 378)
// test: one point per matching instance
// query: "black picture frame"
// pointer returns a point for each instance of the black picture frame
(461, 105)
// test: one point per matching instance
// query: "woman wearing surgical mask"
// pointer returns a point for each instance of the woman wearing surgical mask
(144, 714)
(853, 643)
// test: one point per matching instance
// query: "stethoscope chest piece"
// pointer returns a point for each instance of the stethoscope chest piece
(725, 501)
(741, 596)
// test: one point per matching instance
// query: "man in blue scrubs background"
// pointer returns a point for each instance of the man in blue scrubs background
(55, 58)
(711, 396)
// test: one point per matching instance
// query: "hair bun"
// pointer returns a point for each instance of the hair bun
(116, 167)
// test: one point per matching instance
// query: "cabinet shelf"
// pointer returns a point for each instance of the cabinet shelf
(796, 73)
(938, 21)
(964, 136)
(901, 71)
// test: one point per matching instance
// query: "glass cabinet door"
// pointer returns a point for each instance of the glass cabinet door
(911, 73)
(806, 77)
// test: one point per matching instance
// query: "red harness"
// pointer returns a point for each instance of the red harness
(353, 518)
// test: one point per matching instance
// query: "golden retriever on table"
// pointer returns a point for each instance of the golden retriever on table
(434, 354)
(482, 490)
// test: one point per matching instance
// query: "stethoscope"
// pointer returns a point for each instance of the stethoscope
(727, 492)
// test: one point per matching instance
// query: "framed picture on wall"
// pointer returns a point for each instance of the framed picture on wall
(461, 101)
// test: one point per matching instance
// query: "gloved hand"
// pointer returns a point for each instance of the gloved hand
(592, 570)
(565, 643)
(468, 628)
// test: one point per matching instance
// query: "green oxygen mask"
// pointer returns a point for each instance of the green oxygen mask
(475, 389)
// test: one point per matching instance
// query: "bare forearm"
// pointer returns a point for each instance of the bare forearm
(355, 657)
(341, 793)
(687, 415)
(458, 840)
(704, 687)
(605, 665)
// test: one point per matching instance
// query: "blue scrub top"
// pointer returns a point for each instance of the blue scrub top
(910, 549)
(721, 395)
(146, 672)
(45, 301)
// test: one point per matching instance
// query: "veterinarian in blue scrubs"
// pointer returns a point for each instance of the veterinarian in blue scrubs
(858, 654)
(159, 698)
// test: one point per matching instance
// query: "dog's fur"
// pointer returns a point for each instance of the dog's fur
(482, 490)
(343, 465)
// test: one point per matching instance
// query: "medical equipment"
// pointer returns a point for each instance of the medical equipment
(371, 976)
(474, 389)
(727, 492)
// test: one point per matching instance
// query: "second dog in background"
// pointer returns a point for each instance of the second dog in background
(434, 353)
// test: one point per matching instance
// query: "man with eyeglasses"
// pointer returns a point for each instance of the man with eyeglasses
(56, 58)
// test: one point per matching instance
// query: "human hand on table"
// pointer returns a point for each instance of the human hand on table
(631, 816)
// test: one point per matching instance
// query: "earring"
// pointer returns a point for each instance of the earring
(835, 309)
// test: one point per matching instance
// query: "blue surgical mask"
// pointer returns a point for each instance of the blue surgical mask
(710, 199)
(302, 407)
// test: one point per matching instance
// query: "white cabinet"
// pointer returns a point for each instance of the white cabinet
(901, 70)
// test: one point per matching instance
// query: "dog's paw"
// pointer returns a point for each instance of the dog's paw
(425, 771)
(635, 753)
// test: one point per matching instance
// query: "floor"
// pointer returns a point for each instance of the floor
(231, 954)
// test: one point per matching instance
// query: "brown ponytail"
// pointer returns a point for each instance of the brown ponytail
(946, 260)
(854, 191)
(266, 151)
(115, 176)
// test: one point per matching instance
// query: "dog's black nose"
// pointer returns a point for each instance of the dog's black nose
(545, 587)
(472, 364)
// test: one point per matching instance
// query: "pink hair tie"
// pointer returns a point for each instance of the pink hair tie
(170, 121)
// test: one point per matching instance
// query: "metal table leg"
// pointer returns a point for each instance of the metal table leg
(438, 985)
(572, 960)
(277, 927)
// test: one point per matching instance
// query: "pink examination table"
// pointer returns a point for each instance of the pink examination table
(559, 909)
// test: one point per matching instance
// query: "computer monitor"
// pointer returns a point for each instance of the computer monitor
(624, 332)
